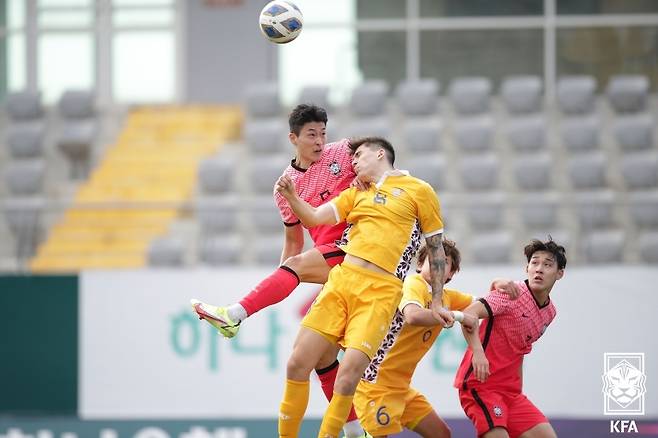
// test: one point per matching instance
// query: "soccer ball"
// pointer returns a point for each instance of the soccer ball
(280, 21)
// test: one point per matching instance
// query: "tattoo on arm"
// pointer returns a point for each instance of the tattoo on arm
(437, 260)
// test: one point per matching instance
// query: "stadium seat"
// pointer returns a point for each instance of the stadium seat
(648, 243)
(575, 94)
(431, 168)
(78, 131)
(640, 170)
(421, 136)
(372, 126)
(25, 177)
(23, 215)
(266, 136)
(165, 252)
(219, 250)
(595, 209)
(369, 99)
(475, 134)
(217, 214)
(628, 93)
(634, 131)
(588, 171)
(527, 133)
(216, 174)
(264, 171)
(604, 246)
(25, 140)
(418, 98)
(486, 212)
(643, 208)
(316, 95)
(522, 94)
(262, 100)
(267, 249)
(491, 248)
(470, 95)
(264, 214)
(580, 133)
(533, 172)
(77, 104)
(479, 172)
(24, 105)
(539, 210)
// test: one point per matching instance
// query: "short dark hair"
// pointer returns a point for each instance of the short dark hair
(451, 250)
(305, 113)
(549, 246)
(375, 142)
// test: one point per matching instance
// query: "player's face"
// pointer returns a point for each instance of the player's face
(425, 270)
(543, 271)
(365, 161)
(309, 142)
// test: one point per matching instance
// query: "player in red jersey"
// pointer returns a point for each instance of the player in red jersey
(497, 407)
(320, 172)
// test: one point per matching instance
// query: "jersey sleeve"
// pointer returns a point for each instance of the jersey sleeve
(343, 204)
(414, 291)
(458, 300)
(495, 303)
(287, 216)
(429, 211)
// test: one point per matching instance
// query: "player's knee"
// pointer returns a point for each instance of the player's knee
(347, 380)
(298, 368)
(296, 263)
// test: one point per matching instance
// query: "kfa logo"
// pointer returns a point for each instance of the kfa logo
(623, 426)
(623, 383)
(334, 168)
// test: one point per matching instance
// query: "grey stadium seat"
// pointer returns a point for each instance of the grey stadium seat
(216, 215)
(628, 93)
(470, 95)
(369, 98)
(165, 252)
(634, 131)
(262, 100)
(23, 215)
(377, 126)
(575, 94)
(491, 248)
(648, 243)
(479, 172)
(533, 172)
(264, 214)
(604, 246)
(316, 95)
(580, 133)
(77, 104)
(595, 209)
(640, 170)
(475, 134)
(486, 212)
(539, 210)
(418, 98)
(79, 129)
(25, 177)
(25, 140)
(522, 94)
(268, 248)
(643, 208)
(429, 168)
(265, 136)
(219, 250)
(588, 171)
(527, 133)
(24, 105)
(264, 171)
(216, 174)
(422, 136)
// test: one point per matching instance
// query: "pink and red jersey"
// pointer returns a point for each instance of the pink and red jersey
(506, 335)
(322, 181)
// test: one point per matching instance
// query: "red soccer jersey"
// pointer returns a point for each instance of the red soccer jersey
(322, 181)
(506, 335)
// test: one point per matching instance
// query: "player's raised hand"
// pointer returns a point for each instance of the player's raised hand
(505, 286)
(443, 316)
(285, 186)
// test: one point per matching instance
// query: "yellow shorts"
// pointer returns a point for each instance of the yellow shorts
(385, 410)
(355, 307)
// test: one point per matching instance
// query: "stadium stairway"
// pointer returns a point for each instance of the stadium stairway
(140, 187)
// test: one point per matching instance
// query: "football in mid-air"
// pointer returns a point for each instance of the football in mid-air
(280, 21)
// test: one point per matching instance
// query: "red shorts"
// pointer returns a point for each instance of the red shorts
(489, 409)
(331, 253)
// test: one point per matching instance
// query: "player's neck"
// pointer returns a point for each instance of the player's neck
(301, 163)
(541, 296)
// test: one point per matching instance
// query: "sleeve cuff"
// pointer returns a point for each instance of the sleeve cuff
(433, 233)
(336, 215)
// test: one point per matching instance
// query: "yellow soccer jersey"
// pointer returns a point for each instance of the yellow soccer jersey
(405, 345)
(386, 221)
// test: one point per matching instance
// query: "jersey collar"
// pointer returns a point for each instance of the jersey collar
(392, 172)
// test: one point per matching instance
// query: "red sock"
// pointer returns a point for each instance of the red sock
(327, 378)
(270, 291)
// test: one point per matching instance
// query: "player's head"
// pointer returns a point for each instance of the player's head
(371, 155)
(453, 259)
(308, 132)
(546, 263)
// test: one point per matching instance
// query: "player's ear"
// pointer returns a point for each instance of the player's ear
(560, 274)
(292, 137)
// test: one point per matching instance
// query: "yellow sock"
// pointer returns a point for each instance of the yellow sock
(293, 406)
(335, 416)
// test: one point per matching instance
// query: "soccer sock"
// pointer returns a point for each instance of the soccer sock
(292, 409)
(334, 417)
(236, 312)
(270, 291)
(327, 379)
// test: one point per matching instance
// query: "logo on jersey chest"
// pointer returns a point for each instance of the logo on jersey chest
(379, 198)
(334, 168)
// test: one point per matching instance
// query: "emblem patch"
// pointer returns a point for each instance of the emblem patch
(334, 167)
(498, 411)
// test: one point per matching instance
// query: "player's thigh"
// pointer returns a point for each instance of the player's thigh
(526, 420)
(432, 426)
(542, 430)
(310, 266)
(309, 347)
(352, 366)
(420, 417)
(496, 432)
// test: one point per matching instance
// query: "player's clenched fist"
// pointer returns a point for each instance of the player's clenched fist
(285, 186)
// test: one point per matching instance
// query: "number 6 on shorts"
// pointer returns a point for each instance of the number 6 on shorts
(382, 417)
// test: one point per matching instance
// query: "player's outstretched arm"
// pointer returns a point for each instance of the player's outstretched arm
(418, 316)
(293, 243)
(473, 313)
(437, 260)
(310, 216)
(505, 286)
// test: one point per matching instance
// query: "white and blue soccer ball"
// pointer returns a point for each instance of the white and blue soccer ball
(281, 21)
